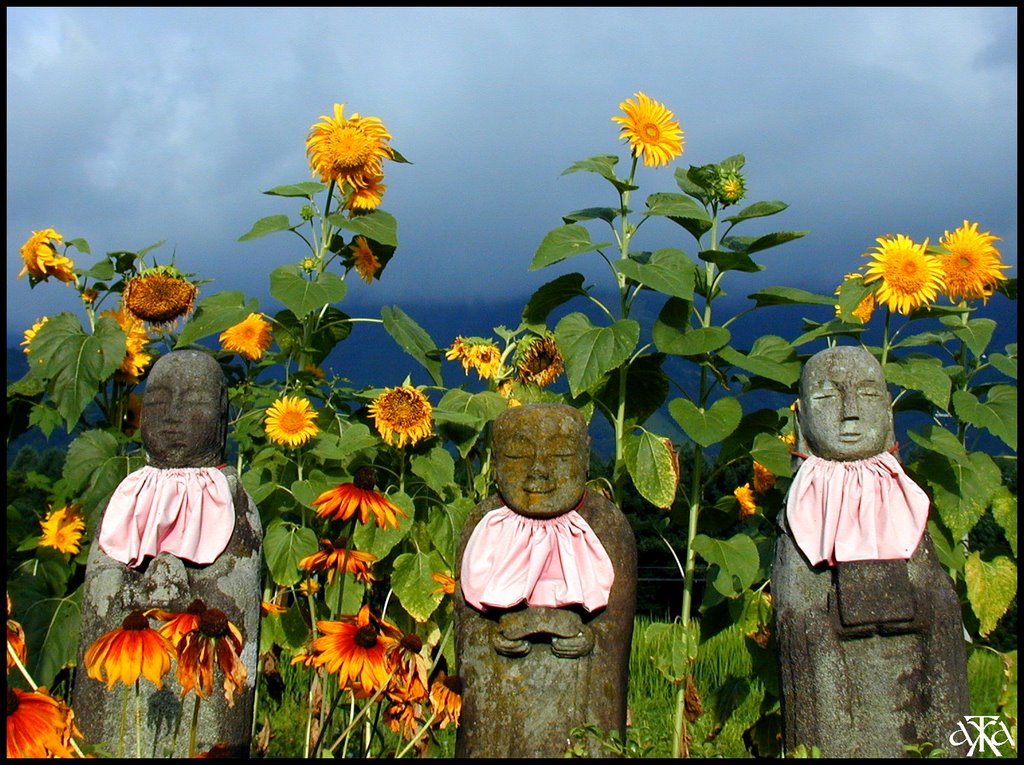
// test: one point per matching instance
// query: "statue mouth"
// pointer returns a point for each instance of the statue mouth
(850, 438)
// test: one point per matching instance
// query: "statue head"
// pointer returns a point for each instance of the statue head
(541, 456)
(844, 411)
(185, 411)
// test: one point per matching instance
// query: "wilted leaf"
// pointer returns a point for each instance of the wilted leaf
(991, 587)
(654, 467)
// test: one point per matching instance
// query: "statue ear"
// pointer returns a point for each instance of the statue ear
(798, 443)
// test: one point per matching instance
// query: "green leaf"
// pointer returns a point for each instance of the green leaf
(940, 440)
(269, 225)
(75, 362)
(737, 560)
(676, 206)
(332, 326)
(789, 296)
(976, 335)
(445, 525)
(998, 414)
(101, 272)
(758, 210)
(707, 426)
(564, 242)
(413, 584)
(413, 339)
(371, 538)
(301, 295)
(647, 387)
(654, 467)
(773, 240)
(551, 295)
(923, 373)
(1007, 364)
(672, 647)
(52, 629)
(603, 165)
(773, 453)
(436, 468)
(771, 356)
(669, 271)
(306, 189)
(960, 492)
(1004, 510)
(214, 314)
(591, 352)
(335, 448)
(284, 545)
(991, 587)
(607, 214)
(731, 261)
(673, 334)
(378, 225)
(93, 469)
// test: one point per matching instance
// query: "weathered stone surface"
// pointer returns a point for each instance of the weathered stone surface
(871, 653)
(531, 674)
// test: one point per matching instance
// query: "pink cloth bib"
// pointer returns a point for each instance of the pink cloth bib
(861, 510)
(549, 562)
(187, 512)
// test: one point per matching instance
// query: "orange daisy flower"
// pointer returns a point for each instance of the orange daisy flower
(404, 718)
(446, 581)
(214, 641)
(15, 639)
(268, 609)
(411, 669)
(333, 559)
(354, 648)
(764, 479)
(131, 650)
(446, 699)
(38, 725)
(346, 499)
(178, 624)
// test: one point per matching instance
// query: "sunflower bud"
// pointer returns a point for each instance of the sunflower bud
(729, 187)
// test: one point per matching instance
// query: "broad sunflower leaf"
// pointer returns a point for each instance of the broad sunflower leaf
(564, 242)
(647, 387)
(752, 244)
(332, 327)
(51, 627)
(436, 468)
(101, 272)
(591, 352)
(1006, 362)
(301, 295)
(771, 356)
(676, 205)
(998, 414)
(667, 270)
(371, 538)
(306, 189)
(991, 587)
(736, 558)
(353, 438)
(789, 296)
(284, 545)
(478, 408)
(269, 225)
(672, 647)
(728, 260)
(673, 334)
(923, 373)
(93, 469)
(976, 335)
(758, 210)
(414, 585)
(707, 426)
(214, 314)
(936, 439)
(960, 492)
(377, 225)
(413, 339)
(654, 467)
(603, 165)
(607, 214)
(74, 362)
(551, 295)
(772, 452)
(445, 526)
(1004, 510)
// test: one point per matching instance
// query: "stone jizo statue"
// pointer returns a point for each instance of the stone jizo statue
(871, 648)
(546, 595)
(179, 529)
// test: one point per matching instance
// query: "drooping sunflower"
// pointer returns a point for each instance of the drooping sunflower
(63, 529)
(131, 650)
(216, 641)
(346, 499)
(973, 267)
(354, 648)
(909, 278)
(764, 479)
(476, 353)
(41, 259)
(250, 338)
(159, 295)
(402, 415)
(15, 638)
(652, 132)
(332, 559)
(38, 725)
(348, 150)
(410, 669)
(30, 333)
(540, 362)
(365, 262)
(291, 421)
(745, 495)
(446, 699)
(177, 624)
(367, 197)
(136, 359)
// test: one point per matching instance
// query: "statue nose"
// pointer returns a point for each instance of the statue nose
(850, 408)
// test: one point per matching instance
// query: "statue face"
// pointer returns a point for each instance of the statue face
(541, 456)
(845, 411)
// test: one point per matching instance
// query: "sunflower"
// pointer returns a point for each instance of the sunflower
(291, 421)
(365, 262)
(41, 258)
(476, 353)
(214, 641)
(131, 650)
(63, 529)
(159, 295)
(540, 362)
(865, 308)
(346, 499)
(446, 581)
(249, 338)
(15, 639)
(89, 295)
(30, 333)
(354, 648)
(410, 668)
(308, 587)
(909, 278)
(973, 267)
(332, 559)
(38, 725)
(348, 150)
(178, 624)
(403, 412)
(446, 699)
(136, 339)
(652, 132)
(730, 187)
(367, 197)
(745, 496)
(764, 479)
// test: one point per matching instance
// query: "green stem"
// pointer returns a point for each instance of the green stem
(138, 722)
(419, 734)
(195, 728)
(124, 723)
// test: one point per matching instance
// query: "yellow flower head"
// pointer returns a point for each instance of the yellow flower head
(541, 362)
(446, 582)
(136, 338)
(30, 333)
(764, 479)
(159, 295)
(291, 421)
(363, 259)
(865, 308)
(41, 258)
(63, 529)
(745, 496)
(249, 338)
(402, 415)
(367, 197)
(973, 267)
(652, 132)
(348, 150)
(909, 278)
(476, 353)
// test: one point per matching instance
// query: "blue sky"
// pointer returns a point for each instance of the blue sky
(127, 126)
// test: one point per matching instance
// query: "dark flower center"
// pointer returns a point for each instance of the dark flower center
(453, 683)
(365, 478)
(197, 606)
(412, 643)
(213, 623)
(366, 636)
(136, 620)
